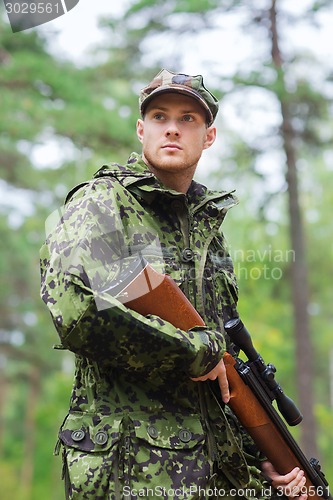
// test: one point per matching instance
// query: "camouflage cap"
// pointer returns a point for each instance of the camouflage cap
(167, 81)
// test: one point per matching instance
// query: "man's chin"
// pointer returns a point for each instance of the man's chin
(164, 162)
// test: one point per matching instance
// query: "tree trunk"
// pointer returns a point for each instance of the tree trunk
(331, 377)
(299, 279)
(3, 394)
(30, 433)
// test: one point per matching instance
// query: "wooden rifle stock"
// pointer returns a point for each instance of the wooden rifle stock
(166, 300)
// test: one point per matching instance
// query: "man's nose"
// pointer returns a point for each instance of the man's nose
(172, 128)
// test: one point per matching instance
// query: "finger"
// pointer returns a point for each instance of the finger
(224, 387)
(212, 375)
(291, 476)
(291, 484)
(295, 487)
(268, 469)
(278, 479)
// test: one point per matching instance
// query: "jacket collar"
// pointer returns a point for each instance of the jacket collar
(137, 178)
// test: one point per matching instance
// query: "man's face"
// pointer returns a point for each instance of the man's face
(173, 134)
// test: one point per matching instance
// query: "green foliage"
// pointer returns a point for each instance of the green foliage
(91, 116)
(8, 473)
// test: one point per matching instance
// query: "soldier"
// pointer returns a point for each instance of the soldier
(143, 419)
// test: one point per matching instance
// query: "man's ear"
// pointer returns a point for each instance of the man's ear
(140, 129)
(210, 137)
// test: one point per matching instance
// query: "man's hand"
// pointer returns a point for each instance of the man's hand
(219, 372)
(290, 484)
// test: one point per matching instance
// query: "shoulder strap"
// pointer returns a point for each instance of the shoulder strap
(73, 191)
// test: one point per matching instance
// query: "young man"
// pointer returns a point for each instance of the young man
(143, 419)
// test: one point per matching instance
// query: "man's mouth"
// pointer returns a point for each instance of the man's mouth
(171, 145)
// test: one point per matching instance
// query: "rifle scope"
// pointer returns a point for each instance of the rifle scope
(240, 336)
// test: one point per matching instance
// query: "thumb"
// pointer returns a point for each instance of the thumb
(268, 469)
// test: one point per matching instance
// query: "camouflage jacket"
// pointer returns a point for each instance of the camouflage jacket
(137, 424)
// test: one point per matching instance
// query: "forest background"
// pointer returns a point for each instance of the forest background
(60, 120)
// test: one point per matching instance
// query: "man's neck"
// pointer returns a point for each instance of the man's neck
(174, 183)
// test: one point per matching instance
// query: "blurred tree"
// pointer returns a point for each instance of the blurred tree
(299, 275)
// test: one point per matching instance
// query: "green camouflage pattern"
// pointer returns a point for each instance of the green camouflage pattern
(192, 86)
(137, 425)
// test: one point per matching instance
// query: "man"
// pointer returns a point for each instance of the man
(143, 419)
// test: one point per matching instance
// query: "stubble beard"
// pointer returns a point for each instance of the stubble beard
(169, 164)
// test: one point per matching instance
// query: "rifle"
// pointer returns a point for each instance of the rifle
(252, 384)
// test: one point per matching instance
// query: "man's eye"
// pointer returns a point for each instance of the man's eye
(158, 116)
(188, 118)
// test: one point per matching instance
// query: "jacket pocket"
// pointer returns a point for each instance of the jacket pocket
(168, 457)
(90, 456)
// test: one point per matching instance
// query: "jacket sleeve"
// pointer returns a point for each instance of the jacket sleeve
(79, 259)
